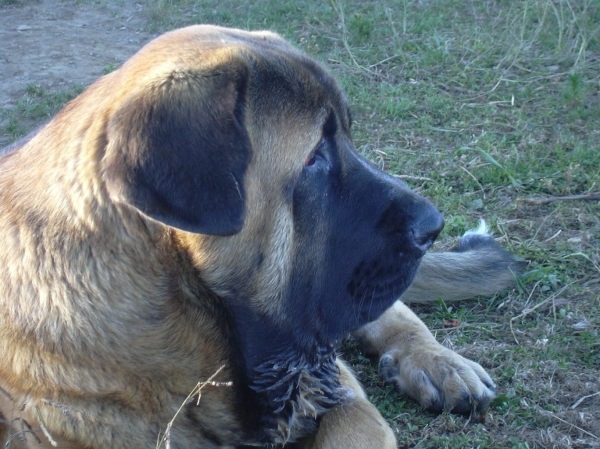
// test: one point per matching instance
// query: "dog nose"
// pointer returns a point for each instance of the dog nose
(426, 229)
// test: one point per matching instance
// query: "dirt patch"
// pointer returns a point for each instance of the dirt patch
(56, 44)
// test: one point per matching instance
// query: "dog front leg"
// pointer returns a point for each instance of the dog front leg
(354, 424)
(409, 356)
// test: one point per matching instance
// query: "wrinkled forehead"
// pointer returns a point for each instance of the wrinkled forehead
(281, 79)
(279, 71)
(290, 101)
(288, 83)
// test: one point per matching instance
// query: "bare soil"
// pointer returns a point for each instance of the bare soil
(56, 44)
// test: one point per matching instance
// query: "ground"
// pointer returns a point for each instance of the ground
(480, 105)
(56, 44)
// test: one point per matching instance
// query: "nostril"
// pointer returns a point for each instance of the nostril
(426, 231)
(424, 241)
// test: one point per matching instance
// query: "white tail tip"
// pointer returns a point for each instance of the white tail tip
(482, 229)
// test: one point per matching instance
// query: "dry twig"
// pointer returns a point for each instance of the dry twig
(572, 425)
(539, 201)
(413, 178)
(166, 438)
(44, 429)
(584, 398)
(527, 311)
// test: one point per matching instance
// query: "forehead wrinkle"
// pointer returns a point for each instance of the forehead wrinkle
(284, 133)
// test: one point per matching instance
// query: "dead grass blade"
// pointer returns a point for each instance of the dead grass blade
(570, 424)
(540, 201)
(584, 398)
(527, 311)
(166, 438)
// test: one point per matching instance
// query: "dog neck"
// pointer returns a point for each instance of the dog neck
(296, 391)
(294, 385)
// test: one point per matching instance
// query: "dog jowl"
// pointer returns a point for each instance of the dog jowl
(202, 206)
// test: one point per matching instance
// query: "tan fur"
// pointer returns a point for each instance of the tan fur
(357, 424)
(455, 276)
(106, 325)
(421, 367)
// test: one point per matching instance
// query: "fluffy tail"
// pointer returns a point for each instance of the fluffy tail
(478, 266)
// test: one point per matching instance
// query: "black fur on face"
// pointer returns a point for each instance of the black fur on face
(360, 233)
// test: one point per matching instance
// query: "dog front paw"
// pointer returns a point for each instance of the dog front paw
(438, 378)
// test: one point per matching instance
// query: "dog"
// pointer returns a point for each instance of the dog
(186, 244)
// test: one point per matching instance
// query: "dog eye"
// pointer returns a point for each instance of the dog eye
(317, 157)
(317, 154)
(311, 160)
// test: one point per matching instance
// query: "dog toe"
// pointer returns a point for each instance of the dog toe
(440, 380)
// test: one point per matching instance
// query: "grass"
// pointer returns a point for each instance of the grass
(483, 104)
(33, 108)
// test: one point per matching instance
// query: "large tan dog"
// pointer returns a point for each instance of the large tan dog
(199, 211)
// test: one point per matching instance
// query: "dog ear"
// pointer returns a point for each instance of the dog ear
(178, 151)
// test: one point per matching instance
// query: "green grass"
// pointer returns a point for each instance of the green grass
(481, 105)
(34, 107)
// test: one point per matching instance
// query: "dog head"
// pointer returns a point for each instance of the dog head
(243, 145)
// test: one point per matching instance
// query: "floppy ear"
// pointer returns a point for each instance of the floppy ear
(178, 150)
